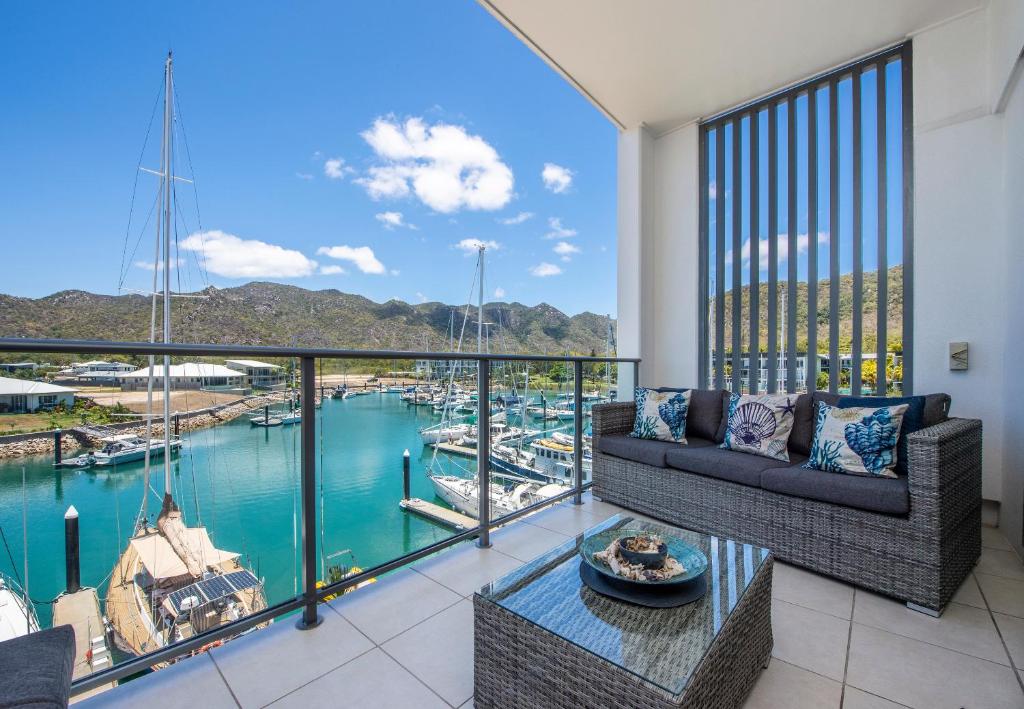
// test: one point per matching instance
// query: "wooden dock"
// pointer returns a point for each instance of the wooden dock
(438, 514)
(455, 449)
(81, 610)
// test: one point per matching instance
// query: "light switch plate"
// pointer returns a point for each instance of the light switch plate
(958, 356)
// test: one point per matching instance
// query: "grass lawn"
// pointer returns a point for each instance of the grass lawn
(46, 421)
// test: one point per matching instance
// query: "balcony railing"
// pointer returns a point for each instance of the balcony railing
(310, 513)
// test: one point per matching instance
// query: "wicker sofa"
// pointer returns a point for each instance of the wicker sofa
(914, 538)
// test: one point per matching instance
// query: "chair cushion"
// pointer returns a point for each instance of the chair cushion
(802, 435)
(936, 408)
(35, 669)
(708, 413)
(715, 462)
(885, 495)
(642, 451)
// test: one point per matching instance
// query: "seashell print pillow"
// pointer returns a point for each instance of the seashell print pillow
(858, 440)
(661, 415)
(760, 424)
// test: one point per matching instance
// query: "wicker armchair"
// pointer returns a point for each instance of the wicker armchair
(921, 557)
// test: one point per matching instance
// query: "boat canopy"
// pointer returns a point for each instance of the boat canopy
(162, 562)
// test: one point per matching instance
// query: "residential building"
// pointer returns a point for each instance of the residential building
(258, 375)
(189, 375)
(18, 396)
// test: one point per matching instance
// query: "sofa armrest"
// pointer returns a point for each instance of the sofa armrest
(944, 470)
(612, 419)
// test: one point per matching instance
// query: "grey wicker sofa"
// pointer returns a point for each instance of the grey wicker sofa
(914, 538)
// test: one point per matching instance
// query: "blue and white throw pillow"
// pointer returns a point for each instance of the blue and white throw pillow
(858, 440)
(760, 424)
(661, 415)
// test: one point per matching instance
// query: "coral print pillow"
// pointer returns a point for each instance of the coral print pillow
(760, 424)
(661, 415)
(858, 440)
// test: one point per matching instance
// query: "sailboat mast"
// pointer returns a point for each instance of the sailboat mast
(168, 111)
(480, 305)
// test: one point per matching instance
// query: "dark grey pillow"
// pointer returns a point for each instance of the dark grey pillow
(708, 413)
(802, 435)
(936, 408)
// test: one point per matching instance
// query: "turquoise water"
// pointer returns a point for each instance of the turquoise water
(242, 483)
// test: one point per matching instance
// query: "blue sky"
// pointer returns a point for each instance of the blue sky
(310, 129)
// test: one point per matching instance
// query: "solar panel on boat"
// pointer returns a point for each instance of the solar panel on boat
(213, 588)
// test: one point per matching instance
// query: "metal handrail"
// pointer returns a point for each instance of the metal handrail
(310, 598)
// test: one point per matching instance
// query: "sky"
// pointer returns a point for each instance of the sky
(365, 147)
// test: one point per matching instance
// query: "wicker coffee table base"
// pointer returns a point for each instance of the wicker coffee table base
(518, 664)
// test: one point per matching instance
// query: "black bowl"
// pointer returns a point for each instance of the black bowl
(648, 559)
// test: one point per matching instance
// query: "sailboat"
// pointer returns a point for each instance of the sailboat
(170, 582)
(17, 614)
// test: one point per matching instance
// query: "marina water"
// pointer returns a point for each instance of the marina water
(242, 483)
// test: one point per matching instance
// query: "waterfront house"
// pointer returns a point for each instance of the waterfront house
(188, 375)
(258, 375)
(18, 366)
(18, 396)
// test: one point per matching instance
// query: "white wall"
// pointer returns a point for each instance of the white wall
(967, 234)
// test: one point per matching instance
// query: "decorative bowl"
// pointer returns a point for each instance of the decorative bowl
(647, 559)
(692, 559)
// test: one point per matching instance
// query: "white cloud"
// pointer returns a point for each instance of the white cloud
(420, 297)
(783, 248)
(336, 169)
(556, 178)
(444, 166)
(544, 269)
(361, 256)
(499, 292)
(304, 176)
(395, 272)
(471, 246)
(158, 266)
(566, 250)
(232, 257)
(517, 219)
(390, 219)
(557, 230)
(332, 271)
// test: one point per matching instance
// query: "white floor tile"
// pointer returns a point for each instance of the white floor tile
(468, 704)
(439, 651)
(809, 639)
(1003, 595)
(466, 567)
(188, 684)
(784, 685)
(920, 675)
(961, 628)
(969, 594)
(854, 698)
(810, 590)
(271, 662)
(395, 603)
(1001, 563)
(1012, 630)
(370, 680)
(568, 519)
(993, 538)
(526, 541)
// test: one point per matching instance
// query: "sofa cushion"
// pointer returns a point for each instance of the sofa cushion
(885, 495)
(860, 440)
(707, 414)
(642, 451)
(36, 669)
(913, 419)
(761, 424)
(660, 415)
(715, 462)
(936, 408)
(802, 435)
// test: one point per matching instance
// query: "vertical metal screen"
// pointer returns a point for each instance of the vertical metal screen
(806, 235)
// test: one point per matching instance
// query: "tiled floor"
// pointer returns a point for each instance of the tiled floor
(407, 641)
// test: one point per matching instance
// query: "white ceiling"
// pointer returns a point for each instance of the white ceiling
(665, 63)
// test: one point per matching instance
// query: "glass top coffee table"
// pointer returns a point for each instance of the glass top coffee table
(545, 639)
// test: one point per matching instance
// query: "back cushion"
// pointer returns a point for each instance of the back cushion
(708, 413)
(803, 420)
(915, 419)
(936, 408)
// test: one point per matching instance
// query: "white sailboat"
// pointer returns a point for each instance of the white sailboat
(17, 614)
(171, 583)
(463, 494)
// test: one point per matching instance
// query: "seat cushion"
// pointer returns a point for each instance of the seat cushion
(707, 414)
(35, 669)
(715, 462)
(642, 451)
(885, 495)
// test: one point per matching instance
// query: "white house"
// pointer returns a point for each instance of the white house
(22, 396)
(189, 375)
(97, 372)
(259, 375)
